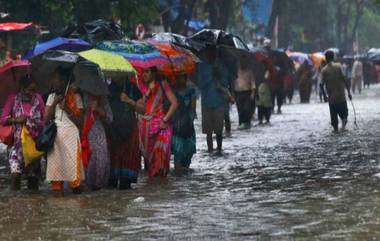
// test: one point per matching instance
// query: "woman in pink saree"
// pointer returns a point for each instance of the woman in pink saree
(154, 125)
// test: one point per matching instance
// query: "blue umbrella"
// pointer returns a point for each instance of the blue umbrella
(67, 44)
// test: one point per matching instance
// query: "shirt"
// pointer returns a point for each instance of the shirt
(357, 70)
(211, 97)
(26, 106)
(245, 80)
(333, 78)
(61, 117)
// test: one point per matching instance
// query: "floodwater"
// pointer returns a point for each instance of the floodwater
(292, 180)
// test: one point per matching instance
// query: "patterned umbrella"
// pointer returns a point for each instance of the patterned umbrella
(139, 54)
(182, 61)
(68, 44)
(111, 64)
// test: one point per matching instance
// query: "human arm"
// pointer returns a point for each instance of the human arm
(322, 87)
(173, 104)
(6, 115)
(138, 105)
(51, 104)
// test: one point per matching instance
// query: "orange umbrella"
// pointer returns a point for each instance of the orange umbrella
(317, 58)
(182, 61)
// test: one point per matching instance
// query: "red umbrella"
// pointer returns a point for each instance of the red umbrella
(10, 73)
(6, 27)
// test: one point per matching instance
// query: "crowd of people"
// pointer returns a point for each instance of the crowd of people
(102, 141)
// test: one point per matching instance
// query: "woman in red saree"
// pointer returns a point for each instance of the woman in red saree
(154, 125)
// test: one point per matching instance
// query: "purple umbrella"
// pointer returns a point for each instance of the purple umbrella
(67, 44)
(300, 58)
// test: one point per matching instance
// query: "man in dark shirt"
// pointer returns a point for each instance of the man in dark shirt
(333, 79)
(210, 76)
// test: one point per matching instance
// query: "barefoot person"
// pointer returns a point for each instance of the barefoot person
(333, 79)
(212, 100)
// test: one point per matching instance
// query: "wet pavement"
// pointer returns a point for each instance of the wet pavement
(291, 180)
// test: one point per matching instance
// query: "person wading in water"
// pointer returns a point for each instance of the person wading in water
(333, 79)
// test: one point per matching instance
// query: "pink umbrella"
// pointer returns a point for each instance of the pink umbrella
(10, 74)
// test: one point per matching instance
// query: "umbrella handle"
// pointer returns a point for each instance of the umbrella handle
(66, 91)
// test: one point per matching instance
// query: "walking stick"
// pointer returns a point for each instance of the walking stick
(355, 119)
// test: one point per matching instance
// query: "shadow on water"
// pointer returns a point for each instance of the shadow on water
(293, 179)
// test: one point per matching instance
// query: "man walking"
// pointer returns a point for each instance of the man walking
(333, 79)
(244, 88)
(357, 76)
(210, 77)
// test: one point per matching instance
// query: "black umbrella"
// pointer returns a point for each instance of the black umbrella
(374, 55)
(86, 75)
(282, 60)
(95, 31)
(215, 37)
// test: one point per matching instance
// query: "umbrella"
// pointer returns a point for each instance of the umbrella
(300, 58)
(111, 64)
(374, 55)
(281, 59)
(215, 37)
(96, 31)
(181, 60)
(336, 52)
(68, 44)
(14, 70)
(317, 58)
(10, 74)
(139, 54)
(171, 38)
(86, 75)
(7, 27)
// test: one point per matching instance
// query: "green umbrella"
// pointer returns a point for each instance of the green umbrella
(111, 64)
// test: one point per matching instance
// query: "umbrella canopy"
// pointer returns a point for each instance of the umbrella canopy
(374, 55)
(68, 44)
(171, 38)
(317, 58)
(111, 64)
(139, 54)
(10, 74)
(300, 58)
(86, 75)
(281, 59)
(7, 27)
(215, 37)
(96, 31)
(15, 69)
(182, 61)
(336, 52)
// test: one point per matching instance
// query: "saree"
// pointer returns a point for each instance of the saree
(155, 143)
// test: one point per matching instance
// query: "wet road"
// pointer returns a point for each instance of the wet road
(292, 180)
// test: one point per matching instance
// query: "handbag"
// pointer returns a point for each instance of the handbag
(29, 150)
(6, 134)
(45, 141)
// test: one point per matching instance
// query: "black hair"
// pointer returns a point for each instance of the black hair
(329, 56)
(25, 82)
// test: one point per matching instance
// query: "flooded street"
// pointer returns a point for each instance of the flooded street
(292, 180)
